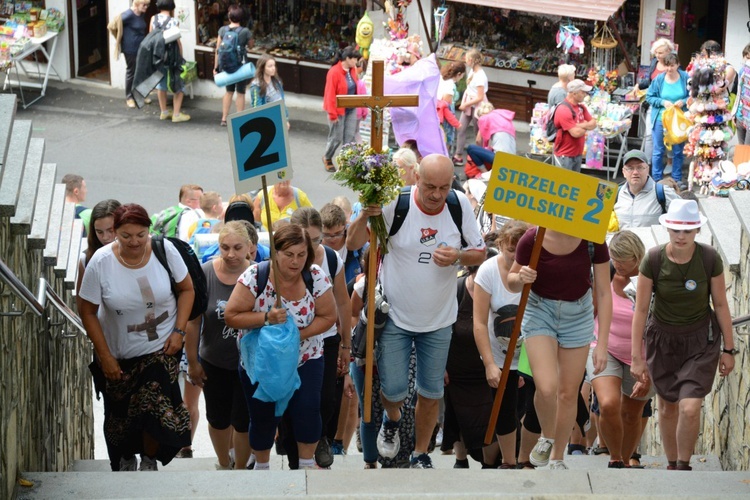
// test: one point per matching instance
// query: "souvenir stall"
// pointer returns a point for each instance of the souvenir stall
(523, 48)
(25, 29)
(302, 35)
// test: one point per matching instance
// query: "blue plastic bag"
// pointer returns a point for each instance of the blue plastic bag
(270, 355)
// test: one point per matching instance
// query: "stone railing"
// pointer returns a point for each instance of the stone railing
(726, 411)
(46, 415)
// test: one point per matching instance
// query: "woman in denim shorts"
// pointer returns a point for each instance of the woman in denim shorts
(558, 327)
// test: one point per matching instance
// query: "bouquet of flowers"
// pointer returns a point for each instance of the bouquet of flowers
(374, 176)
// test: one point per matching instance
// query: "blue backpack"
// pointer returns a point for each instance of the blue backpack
(230, 52)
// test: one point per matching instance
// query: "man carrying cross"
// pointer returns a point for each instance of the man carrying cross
(436, 231)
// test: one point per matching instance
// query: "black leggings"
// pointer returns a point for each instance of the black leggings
(531, 421)
(225, 398)
(506, 419)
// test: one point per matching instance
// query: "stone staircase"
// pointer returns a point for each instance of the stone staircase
(45, 402)
(196, 478)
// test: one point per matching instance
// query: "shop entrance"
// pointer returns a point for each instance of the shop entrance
(90, 31)
(697, 22)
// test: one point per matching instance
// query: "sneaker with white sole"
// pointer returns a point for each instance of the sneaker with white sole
(182, 117)
(421, 461)
(128, 464)
(389, 441)
(165, 115)
(148, 464)
(557, 465)
(540, 454)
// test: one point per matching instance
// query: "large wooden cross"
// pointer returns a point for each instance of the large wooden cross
(376, 103)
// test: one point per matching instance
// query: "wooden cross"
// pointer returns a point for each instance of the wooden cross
(377, 102)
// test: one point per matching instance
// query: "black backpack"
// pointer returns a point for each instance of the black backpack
(230, 55)
(402, 208)
(200, 303)
(550, 130)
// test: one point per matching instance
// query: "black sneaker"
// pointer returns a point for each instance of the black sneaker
(422, 461)
(461, 464)
(323, 455)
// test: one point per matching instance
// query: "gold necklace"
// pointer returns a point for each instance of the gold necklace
(119, 255)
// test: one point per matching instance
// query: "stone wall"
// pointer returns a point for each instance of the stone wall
(725, 431)
(46, 414)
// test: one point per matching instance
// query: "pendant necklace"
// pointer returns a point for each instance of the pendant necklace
(690, 285)
(119, 255)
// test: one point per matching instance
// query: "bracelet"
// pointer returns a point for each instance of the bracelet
(181, 332)
(458, 259)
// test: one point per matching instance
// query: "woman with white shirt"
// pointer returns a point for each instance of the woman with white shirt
(476, 92)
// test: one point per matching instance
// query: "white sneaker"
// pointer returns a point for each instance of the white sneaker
(388, 441)
(540, 454)
(128, 464)
(557, 465)
(148, 464)
(439, 438)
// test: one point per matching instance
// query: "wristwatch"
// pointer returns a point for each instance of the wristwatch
(265, 320)
(733, 352)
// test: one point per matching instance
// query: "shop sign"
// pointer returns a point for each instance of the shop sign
(544, 195)
(258, 146)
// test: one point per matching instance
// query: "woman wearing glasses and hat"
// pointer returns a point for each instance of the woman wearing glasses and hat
(685, 340)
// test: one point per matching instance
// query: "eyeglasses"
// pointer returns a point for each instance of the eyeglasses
(641, 168)
(333, 236)
(316, 241)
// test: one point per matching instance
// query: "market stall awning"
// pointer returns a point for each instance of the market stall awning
(598, 10)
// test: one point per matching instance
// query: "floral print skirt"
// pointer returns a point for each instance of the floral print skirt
(146, 399)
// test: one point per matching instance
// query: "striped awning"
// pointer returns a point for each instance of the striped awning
(598, 10)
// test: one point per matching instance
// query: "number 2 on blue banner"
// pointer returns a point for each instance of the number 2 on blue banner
(258, 138)
(267, 130)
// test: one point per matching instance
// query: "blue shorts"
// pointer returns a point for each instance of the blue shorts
(571, 323)
(392, 355)
(162, 85)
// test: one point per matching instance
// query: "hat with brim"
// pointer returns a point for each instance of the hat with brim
(682, 215)
(576, 85)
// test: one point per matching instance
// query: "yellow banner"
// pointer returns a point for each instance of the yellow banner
(544, 195)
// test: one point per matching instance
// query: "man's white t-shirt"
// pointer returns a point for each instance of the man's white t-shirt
(137, 309)
(489, 279)
(421, 294)
(331, 277)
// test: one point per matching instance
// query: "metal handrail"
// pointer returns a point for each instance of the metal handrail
(20, 290)
(38, 303)
(46, 291)
(742, 320)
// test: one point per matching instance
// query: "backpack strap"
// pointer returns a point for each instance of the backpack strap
(157, 247)
(654, 260)
(709, 261)
(461, 289)
(454, 207)
(296, 196)
(333, 261)
(264, 270)
(660, 197)
(402, 208)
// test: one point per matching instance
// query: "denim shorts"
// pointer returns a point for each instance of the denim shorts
(392, 355)
(571, 323)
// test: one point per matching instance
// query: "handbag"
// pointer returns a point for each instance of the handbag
(676, 126)
(171, 34)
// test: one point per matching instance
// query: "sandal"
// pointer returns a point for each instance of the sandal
(457, 160)
(526, 465)
(328, 165)
(635, 461)
(223, 123)
(600, 451)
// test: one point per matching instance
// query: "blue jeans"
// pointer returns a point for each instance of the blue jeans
(368, 431)
(480, 156)
(393, 353)
(657, 160)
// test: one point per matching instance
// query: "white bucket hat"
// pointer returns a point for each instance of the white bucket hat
(682, 214)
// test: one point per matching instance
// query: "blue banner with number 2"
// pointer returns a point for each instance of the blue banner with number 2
(259, 146)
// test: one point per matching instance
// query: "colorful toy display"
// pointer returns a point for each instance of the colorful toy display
(708, 138)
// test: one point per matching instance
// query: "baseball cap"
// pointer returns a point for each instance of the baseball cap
(635, 154)
(576, 85)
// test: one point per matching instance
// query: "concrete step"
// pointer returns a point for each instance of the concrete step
(724, 224)
(195, 478)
